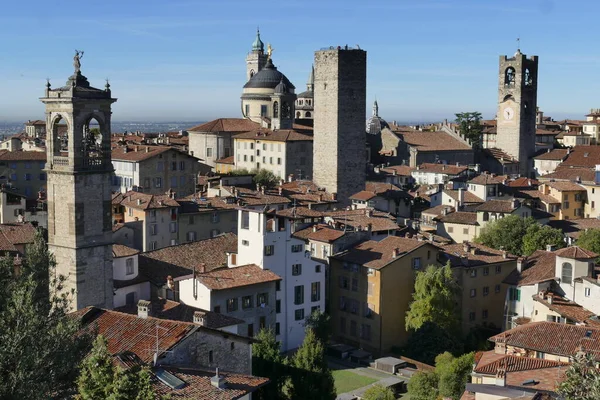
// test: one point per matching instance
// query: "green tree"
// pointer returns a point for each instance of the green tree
(539, 236)
(378, 392)
(133, 383)
(239, 172)
(582, 379)
(430, 340)
(506, 233)
(320, 323)
(453, 374)
(40, 345)
(590, 240)
(423, 386)
(434, 299)
(311, 377)
(470, 126)
(266, 178)
(268, 362)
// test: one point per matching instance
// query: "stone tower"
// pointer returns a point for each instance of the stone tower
(256, 59)
(339, 147)
(79, 171)
(517, 105)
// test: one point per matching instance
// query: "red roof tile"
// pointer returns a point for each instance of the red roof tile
(22, 155)
(442, 168)
(575, 252)
(282, 135)
(144, 201)
(226, 125)
(539, 267)
(553, 155)
(120, 250)
(228, 278)
(377, 255)
(433, 141)
(513, 364)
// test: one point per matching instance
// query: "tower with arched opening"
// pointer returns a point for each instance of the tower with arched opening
(79, 171)
(517, 103)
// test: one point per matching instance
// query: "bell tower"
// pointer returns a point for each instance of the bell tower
(517, 105)
(78, 166)
(256, 59)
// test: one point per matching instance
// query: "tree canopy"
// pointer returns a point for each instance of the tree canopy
(378, 392)
(320, 323)
(539, 236)
(423, 386)
(265, 178)
(470, 126)
(590, 240)
(453, 373)
(434, 299)
(268, 361)
(582, 379)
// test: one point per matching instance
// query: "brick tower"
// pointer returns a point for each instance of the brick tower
(79, 197)
(339, 147)
(517, 104)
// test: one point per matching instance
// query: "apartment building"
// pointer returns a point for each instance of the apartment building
(564, 200)
(384, 197)
(23, 171)
(202, 218)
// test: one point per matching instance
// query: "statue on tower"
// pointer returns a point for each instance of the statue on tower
(269, 51)
(77, 61)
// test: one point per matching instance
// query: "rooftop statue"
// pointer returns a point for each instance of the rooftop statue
(77, 61)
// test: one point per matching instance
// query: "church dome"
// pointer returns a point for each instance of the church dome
(375, 123)
(281, 87)
(258, 45)
(268, 78)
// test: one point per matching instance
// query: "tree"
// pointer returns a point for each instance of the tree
(582, 379)
(423, 386)
(320, 323)
(539, 236)
(41, 345)
(430, 340)
(265, 178)
(434, 299)
(453, 374)
(378, 392)
(590, 240)
(268, 362)
(239, 172)
(311, 377)
(470, 126)
(506, 233)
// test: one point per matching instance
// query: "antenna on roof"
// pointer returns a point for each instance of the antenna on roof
(157, 349)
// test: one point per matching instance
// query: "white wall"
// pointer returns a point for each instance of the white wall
(591, 301)
(142, 292)
(120, 268)
(186, 295)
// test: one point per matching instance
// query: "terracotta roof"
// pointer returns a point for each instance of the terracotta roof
(545, 198)
(468, 197)
(500, 155)
(254, 198)
(172, 310)
(226, 125)
(306, 192)
(539, 267)
(282, 135)
(379, 221)
(553, 155)
(490, 365)
(377, 255)
(123, 251)
(459, 217)
(189, 205)
(545, 132)
(574, 227)
(319, 233)
(565, 186)
(583, 156)
(402, 170)
(501, 206)
(144, 152)
(568, 309)
(552, 338)
(437, 210)
(363, 195)
(486, 179)
(229, 278)
(22, 155)
(226, 160)
(523, 182)
(144, 201)
(571, 174)
(478, 254)
(181, 259)
(18, 233)
(299, 213)
(441, 168)
(386, 190)
(576, 252)
(433, 141)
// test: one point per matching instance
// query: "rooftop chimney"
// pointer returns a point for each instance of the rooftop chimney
(550, 247)
(396, 252)
(314, 228)
(147, 149)
(143, 309)
(139, 202)
(501, 376)
(199, 318)
(280, 190)
(549, 298)
(334, 196)
(291, 178)
(520, 264)
(466, 247)
(504, 254)
(218, 381)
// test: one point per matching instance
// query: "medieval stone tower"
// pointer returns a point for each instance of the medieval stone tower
(517, 105)
(256, 59)
(340, 95)
(79, 198)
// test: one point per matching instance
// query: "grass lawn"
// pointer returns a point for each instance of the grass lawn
(346, 381)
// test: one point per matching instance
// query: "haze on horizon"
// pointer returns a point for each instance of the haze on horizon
(185, 60)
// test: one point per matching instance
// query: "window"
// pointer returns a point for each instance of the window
(365, 332)
(296, 269)
(296, 248)
(450, 229)
(245, 157)
(182, 164)
(416, 262)
(565, 205)
(486, 290)
(263, 110)
(191, 236)
(514, 294)
(370, 288)
(498, 269)
(587, 292)
(497, 289)
(245, 220)
(246, 302)
(578, 197)
(567, 273)
(352, 328)
(232, 304)
(465, 231)
(354, 285)
(315, 291)
(277, 328)
(278, 306)
(43, 177)
(342, 325)
(129, 266)
(158, 182)
(299, 314)
(314, 309)
(174, 163)
(173, 227)
(486, 271)
(215, 217)
(153, 229)
(217, 309)
(484, 314)
(342, 303)
(473, 273)
(471, 316)
(250, 330)
(214, 232)
(473, 292)
(262, 299)
(269, 250)
(343, 282)
(247, 108)
(278, 286)
(317, 268)
(153, 245)
(278, 161)
(299, 294)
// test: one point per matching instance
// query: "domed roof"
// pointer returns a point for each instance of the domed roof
(281, 86)
(258, 45)
(268, 78)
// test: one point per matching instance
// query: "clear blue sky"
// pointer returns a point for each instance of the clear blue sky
(185, 59)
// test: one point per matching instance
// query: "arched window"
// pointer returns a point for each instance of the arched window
(307, 114)
(300, 102)
(285, 110)
(566, 275)
(486, 216)
(251, 73)
(508, 97)
(93, 143)
(297, 114)
(509, 76)
(276, 110)
(528, 77)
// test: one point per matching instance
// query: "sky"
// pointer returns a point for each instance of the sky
(180, 60)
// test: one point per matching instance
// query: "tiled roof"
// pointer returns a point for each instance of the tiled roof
(229, 278)
(583, 156)
(386, 190)
(490, 365)
(254, 198)
(226, 125)
(433, 141)
(379, 221)
(552, 338)
(16, 233)
(401, 170)
(306, 192)
(553, 155)
(568, 309)
(189, 205)
(468, 197)
(539, 267)
(226, 160)
(571, 174)
(501, 206)
(172, 310)
(523, 182)
(143, 152)
(545, 132)
(144, 201)
(372, 254)
(500, 155)
(22, 155)
(565, 186)
(441, 168)
(486, 179)
(299, 213)
(123, 251)
(574, 227)
(459, 217)
(437, 210)
(181, 259)
(363, 195)
(478, 254)
(575, 252)
(282, 135)
(319, 233)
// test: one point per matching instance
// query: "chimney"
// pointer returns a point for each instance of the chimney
(474, 251)
(280, 190)
(262, 189)
(354, 206)
(369, 227)
(514, 203)
(125, 149)
(550, 247)
(137, 148)
(504, 254)
(466, 247)
(501, 376)
(147, 149)
(369, 212)
(139, 202)
(218, 381)
(143, 309)
(258, 187)
(549, 298)
(461, 196)
(200, 318)
(291, 178)
(396, 252)
(520, 264)
(314, 228)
